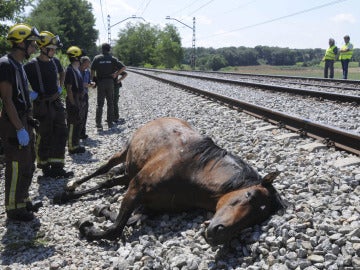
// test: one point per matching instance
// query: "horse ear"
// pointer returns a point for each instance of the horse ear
(269, 178)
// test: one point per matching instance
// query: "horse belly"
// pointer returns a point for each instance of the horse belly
(184, 198)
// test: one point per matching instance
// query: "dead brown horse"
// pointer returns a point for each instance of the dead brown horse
(171, 167)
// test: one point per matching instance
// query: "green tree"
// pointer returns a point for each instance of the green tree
(10, 10)
(140, 44)
(216, 62)
(168, 50)
(72, 20)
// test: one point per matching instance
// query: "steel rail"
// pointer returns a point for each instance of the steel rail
(283, 77)
(277, 88)
(330, 136)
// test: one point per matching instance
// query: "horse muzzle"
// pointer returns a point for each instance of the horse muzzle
(215, 234)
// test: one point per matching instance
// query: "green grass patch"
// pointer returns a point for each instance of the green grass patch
(298, 70)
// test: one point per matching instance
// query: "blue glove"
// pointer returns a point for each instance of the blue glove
(59, 90)
(33, 95)
(23, 137)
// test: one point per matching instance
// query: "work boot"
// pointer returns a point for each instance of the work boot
(119, 121)
(59, 172)
(78, 150)
(20, 214)
(47, 171)
(84, 136)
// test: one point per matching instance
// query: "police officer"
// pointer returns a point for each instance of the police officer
(329, 58)
(106, 68)
(75, 100)
(46, 77)
(15, 122)
(345, 56)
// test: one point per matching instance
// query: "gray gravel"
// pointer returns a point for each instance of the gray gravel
(341, 115)
(319, 230)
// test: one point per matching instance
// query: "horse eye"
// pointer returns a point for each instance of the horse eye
(263, 207)
(248, 194)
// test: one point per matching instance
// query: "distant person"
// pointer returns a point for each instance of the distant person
(75, 103)
(117, 85)
(346, 53)
(85, 73)
(16, 129)
(106, 68)
(329, 59)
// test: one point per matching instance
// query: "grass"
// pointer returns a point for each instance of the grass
(314, 71)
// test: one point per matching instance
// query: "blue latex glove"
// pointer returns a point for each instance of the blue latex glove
(33, 95)
(23, 137)
(59, 90)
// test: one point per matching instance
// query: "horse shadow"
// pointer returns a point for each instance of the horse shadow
(21, 241)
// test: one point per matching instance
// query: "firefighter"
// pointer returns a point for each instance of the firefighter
(75, 100)
(46, 77)
(16, 124)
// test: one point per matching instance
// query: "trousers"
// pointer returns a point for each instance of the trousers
(19, 163)
(105, 90)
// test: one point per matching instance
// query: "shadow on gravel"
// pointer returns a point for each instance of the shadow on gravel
(24, 243)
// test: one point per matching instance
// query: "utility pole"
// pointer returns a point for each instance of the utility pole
(193, 53)
(110, 26)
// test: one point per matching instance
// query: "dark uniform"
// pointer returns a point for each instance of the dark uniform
(104, 65)
(19, 160)
(117, 86)
(50, 111)
(76, 112)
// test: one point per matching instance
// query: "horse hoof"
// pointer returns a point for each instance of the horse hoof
(83, 225)
(71, 186)
(99, 208)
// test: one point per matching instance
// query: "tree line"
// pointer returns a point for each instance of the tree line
(143, 44)
(215, 59)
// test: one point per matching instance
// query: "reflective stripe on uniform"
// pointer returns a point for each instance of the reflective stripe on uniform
(70, 139)
(56, 160)
(13, 184)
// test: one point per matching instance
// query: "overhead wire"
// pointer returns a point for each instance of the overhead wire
(278, 18)
(102, 15)
(204, 5)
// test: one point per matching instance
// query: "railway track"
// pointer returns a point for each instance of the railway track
(329, 135)
(307, 89)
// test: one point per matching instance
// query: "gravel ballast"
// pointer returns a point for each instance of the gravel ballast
(320, 229)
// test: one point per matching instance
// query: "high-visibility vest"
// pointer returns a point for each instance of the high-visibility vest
(330, 54)
(348, 54)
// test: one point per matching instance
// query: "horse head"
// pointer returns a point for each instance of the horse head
(243, 208)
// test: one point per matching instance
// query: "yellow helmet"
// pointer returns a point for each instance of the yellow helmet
(74, 52)
(21, 32)
(49, 40)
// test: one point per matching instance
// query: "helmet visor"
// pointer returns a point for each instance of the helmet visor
(55, 43)
(34, 35)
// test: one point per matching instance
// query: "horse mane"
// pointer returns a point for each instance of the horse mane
(244, 175)
(206, 150)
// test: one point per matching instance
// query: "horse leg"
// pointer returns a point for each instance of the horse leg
(68, 195)
(116, 159)
(130, 202)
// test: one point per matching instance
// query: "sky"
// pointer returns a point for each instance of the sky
(223, 23)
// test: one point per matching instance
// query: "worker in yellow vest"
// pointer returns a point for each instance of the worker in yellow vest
(329, 59)
(346, 53)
